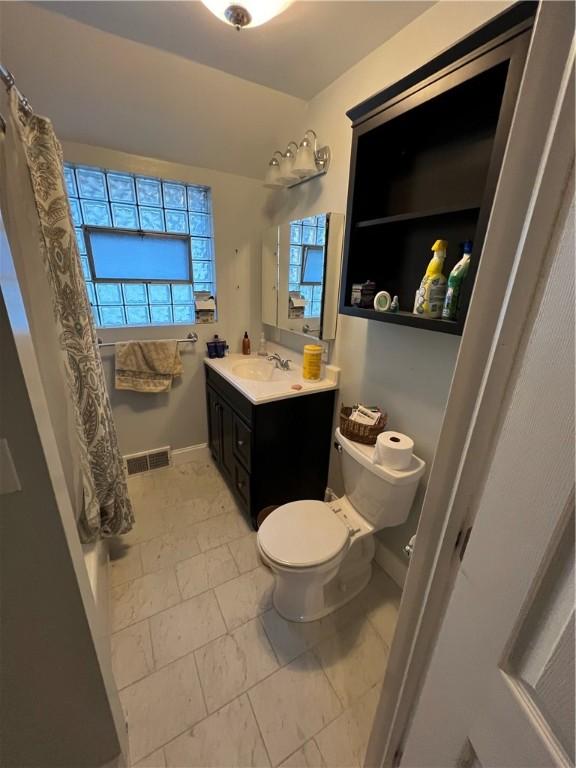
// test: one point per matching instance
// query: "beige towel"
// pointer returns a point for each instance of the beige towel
(147, 366)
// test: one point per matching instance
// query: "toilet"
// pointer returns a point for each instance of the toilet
(321, 552)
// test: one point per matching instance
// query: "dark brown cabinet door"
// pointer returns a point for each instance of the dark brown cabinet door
(214, 425)
(242, 483)
(227, 422)
(242, 441)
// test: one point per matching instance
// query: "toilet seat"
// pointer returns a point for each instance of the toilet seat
(302, 534)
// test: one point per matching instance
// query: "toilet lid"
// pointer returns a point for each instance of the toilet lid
(302, 533)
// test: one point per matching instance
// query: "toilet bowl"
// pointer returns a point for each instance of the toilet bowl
(321, 552)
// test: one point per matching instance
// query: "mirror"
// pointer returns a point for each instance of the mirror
(301, 275)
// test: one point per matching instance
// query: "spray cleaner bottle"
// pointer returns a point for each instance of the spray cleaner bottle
(430, 296)
(455, 280)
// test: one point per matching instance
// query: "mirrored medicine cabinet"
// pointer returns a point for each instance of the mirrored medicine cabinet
(301, 275)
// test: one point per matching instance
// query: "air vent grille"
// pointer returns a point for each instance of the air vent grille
(159, 459)
(137, 464)
(145, 462)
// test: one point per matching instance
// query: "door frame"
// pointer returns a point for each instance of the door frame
(535, 173)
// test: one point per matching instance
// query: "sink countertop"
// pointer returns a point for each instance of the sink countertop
(278, 387)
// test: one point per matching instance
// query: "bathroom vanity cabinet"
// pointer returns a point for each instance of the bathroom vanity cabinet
(270, 453)
(426, 156)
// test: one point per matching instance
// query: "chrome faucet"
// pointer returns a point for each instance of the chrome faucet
(284, 365)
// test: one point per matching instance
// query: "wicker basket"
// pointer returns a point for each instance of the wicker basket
(361, 433)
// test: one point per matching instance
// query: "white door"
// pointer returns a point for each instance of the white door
(499, 691)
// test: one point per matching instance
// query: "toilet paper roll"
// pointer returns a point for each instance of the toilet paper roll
(394, 450)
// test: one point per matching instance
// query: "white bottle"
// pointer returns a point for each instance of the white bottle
(262, 350)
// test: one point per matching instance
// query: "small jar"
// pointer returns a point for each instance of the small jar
(312, 362)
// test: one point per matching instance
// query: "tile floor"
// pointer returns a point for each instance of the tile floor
(209, 674)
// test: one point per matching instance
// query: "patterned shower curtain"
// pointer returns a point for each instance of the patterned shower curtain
(106, 509)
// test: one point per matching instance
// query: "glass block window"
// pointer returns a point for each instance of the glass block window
(306, 268)
(146, 245)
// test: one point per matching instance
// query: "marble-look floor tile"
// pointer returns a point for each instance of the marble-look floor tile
(209, 485)
(155, 760)
(189, 512)
(292, 705)
(381, 601)
(162, 705)
(207, 570)
(245, 553)
(354, 659)
(185, 627)
(307, 756)
(142, 597)
(125, 563)
(233, 663)
(290, 638)
(169, 549)
(132, 656)
(149, 522)
(245, 597)
(220, 530)
(343, 743)
(227, 739)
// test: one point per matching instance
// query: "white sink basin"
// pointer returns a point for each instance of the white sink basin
(260, 370)
(260, 381)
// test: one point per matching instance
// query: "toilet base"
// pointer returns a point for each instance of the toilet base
(336, 593)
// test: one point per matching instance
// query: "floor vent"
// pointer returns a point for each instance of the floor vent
(159, 459)
(145, 462)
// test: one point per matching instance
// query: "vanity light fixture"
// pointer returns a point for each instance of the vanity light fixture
(246, 13)
(287, 175)
(305, 164)
(300, 163)
(272, 180)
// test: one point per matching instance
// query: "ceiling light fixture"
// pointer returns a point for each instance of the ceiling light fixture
(246, 13)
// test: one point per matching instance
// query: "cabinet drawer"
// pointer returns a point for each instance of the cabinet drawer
(242, 436)
(242, 483)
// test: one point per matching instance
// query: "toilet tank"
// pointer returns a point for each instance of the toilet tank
(381, 495)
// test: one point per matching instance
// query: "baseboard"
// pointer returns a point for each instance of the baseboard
(199, 452)
(391, 563)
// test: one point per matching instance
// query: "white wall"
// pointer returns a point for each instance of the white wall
(178, 417)
(108, 91)
(406, 370)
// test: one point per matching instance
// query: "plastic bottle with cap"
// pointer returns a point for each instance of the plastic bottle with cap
(262, 348)
(455, 280)
(429, 300)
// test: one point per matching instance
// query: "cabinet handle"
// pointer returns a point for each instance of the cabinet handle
(240, 484)
(239, 443)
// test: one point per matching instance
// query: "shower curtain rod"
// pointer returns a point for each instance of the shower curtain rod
(192, 338)
(8, 79)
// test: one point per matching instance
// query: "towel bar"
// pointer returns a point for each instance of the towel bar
(192, 338)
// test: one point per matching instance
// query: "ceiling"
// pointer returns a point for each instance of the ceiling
(299, 52)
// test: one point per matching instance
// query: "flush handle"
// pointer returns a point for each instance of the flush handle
(337, 446)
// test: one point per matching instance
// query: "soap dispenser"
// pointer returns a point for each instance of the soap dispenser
(262, 350)
(246, 344)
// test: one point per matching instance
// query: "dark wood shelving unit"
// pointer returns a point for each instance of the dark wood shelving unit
(426, 156)
(412, 216)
